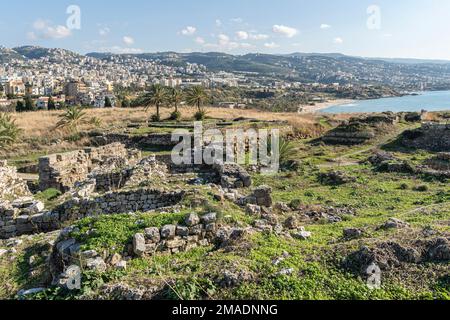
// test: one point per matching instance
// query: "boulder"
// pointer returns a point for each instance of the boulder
(152, 234)
(192, 220)
(209, 218)
(394, 223)
(96, 264)
(168, 231)
(139, 244)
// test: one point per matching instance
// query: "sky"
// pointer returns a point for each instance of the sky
(370, 28)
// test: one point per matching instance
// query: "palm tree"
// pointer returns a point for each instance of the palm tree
(176, 98)
(72, 119)
(9, 131)
(196, 96)
(157, 96)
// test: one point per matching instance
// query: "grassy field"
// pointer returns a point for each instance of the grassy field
(311, 269)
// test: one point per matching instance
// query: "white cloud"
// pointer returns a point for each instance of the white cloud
(200, 40)
(259, 36)
(43, 29)
(338, 40)
(128, 40)
(218, 23)
(104, 31)
(285, 30)
(271, 45)
(225, 44)
(188, 31)
(324, 26)
(242, 35)
(237, 20)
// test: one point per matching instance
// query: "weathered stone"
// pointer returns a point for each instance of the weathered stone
(96, 264)
(253, 209)
(192, 220)
(121, 265)
(302, 235)
(263, 196)
(152, 234)
(394, 223)
(168, 232)
(139, 244)
(182, 231)
(209, 218)
(352, 233)
(291, 223)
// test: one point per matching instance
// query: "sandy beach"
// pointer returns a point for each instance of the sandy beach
(323, 105)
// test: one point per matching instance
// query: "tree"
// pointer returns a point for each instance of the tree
(51, 104)
(108, 103)
(157, 96)
(126, 103)
(196, 96)
(72, 119)
(20, 106)
(29, 106)
(176, 97)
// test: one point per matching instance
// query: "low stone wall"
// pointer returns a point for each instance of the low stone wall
(119, 202)
(27, 216)
(11, 186)
(62, 171)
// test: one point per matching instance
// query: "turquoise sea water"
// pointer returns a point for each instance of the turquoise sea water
(430, 101)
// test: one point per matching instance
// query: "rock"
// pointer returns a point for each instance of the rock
(209, 218)
(439, 250)
(352, 233)
(89, 254)
(63, 246)
(114, 259)
(192, 220)
(253, 209)
(168, 232)
(182, 231)
(121, 265)
(152, 234)
(23, 293)
(282, 207)
(335, 178)
(263, 195)
(302, 235)
(394, 223)
(232, 279)
(263, 225)
(3, 252)
(286, 272)
(291, 223)
(139, 244)
(96, 264)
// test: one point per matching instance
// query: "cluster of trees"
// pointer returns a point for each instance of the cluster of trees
(159, 96)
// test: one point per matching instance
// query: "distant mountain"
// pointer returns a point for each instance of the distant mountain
(35, 52)
(303, 67)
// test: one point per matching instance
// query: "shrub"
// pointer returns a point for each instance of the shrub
(9, 131)
(155, 118)
(200, 115)
(421, 188)
(175, 116)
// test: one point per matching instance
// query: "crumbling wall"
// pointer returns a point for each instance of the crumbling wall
(27, 216)
(11, 186)
(431, 136)
(62, 171)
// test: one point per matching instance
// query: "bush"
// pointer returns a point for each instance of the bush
(422, 188)
(9, 131)
(200, 115)
(175, 116)
(155, 118)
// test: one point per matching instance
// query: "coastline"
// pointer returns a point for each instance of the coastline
(324, 105)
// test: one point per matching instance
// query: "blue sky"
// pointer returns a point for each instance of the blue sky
(400, 28)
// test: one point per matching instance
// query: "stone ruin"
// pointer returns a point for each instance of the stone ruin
(106, 180)
(431, 136)
(360, 130)
(62, 171)
(11, 185)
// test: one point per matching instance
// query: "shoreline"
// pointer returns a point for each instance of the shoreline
(324, 105)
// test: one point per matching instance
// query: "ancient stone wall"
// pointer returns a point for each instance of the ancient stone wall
(11, 185)
(431, 136)
(27, 216)
(62, 171)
